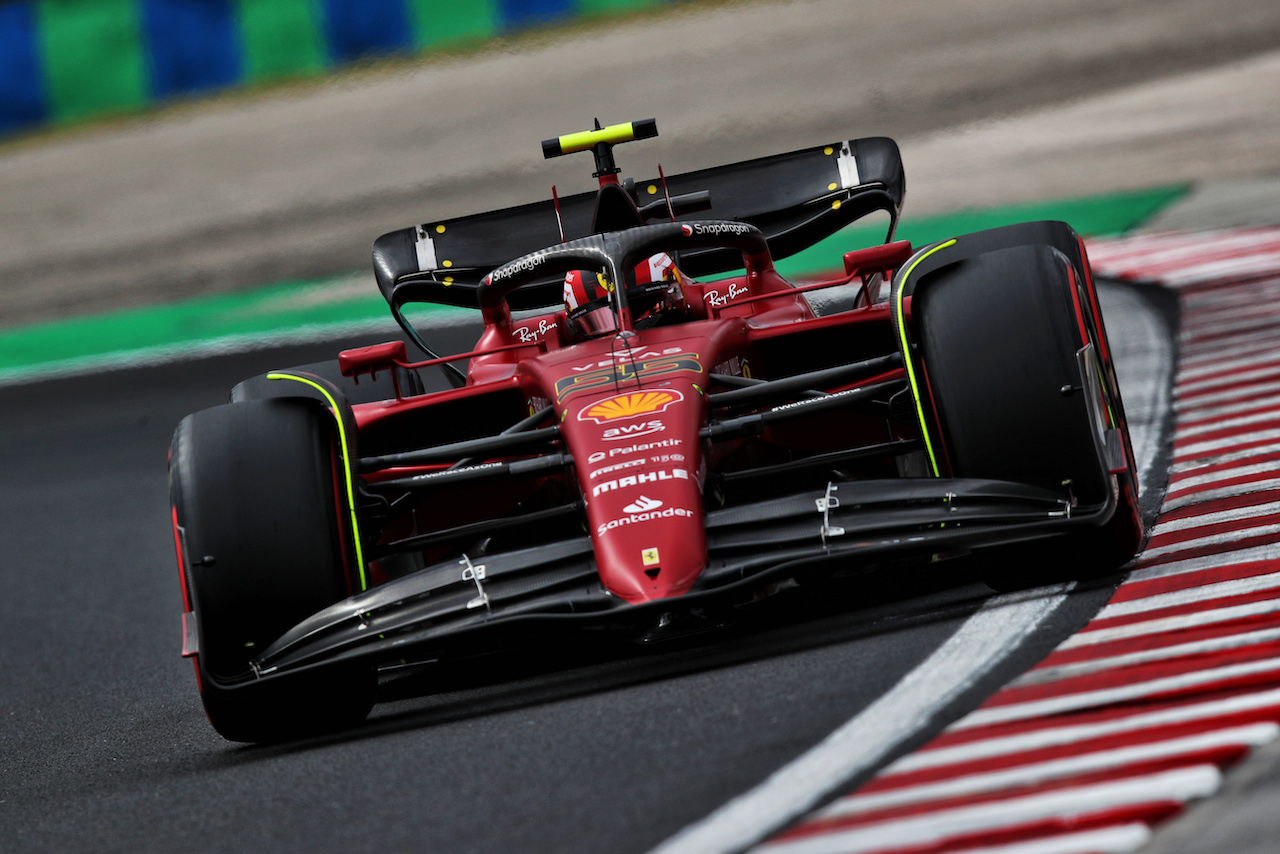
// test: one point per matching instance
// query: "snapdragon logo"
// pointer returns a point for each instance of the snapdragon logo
(643, 504)
(530, 262)
(719, 228)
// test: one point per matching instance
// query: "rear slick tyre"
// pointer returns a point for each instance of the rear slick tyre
(253, 487)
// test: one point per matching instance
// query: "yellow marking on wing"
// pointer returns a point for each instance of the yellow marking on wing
(906, 352)
(346, 456)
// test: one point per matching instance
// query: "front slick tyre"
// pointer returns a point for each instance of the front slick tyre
(254, 490)
(998, 327)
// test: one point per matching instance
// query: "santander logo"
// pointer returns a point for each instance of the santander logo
(643, 504)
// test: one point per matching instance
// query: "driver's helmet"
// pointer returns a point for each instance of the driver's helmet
(586, 294)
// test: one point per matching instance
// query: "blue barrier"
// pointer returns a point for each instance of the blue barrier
(192, 46)
(23, 100)
(69, 59)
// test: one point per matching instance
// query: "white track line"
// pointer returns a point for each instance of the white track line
(1185, 388)
(1258, 264)
(1171, 249)
(1242, 347)
(1192, 418)
(1211, 540)
(1235, 514)
(1216, 590)
(1108, 696)
(1199, 480)
(1054, 736)
(1161, 625)
(1118, 839)
(1229, 323)
(1255, 404)
(1058, 672)
(1228, 423)
(1186, 375)
(1227, 457)
(1199, 449)
(1031, 774)
(1270, 551)
(1204, 311)
(1183, 784)
(1190, 499)
(984, 640)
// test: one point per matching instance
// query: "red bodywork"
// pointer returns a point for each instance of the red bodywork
(631, 407)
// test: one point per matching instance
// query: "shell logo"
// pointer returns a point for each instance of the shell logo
(630, 405)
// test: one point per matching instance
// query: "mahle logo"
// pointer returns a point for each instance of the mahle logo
(630, 405)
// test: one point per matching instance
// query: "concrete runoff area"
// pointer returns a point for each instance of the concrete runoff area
(289, 184)
(1242, 203)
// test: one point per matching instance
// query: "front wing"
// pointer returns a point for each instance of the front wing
(446, 608)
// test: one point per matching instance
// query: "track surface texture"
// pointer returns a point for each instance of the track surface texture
(993, 102)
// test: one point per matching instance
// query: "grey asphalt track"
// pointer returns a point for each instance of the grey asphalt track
(104, 747)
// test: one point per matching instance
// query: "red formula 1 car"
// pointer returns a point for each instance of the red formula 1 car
(646, 441)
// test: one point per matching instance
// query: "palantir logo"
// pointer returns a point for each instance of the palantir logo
(643, 504)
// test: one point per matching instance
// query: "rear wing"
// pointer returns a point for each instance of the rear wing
(795, 199)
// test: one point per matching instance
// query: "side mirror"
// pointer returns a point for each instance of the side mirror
(877, 259)
(371, 359)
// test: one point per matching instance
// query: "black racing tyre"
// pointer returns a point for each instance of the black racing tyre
(254, 490)
(997, 334)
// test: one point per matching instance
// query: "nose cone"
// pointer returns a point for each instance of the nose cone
(651, 548)
(638, 460)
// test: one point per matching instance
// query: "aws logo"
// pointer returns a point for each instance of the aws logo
(611, 375)
(631, 431)
(630, 405)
